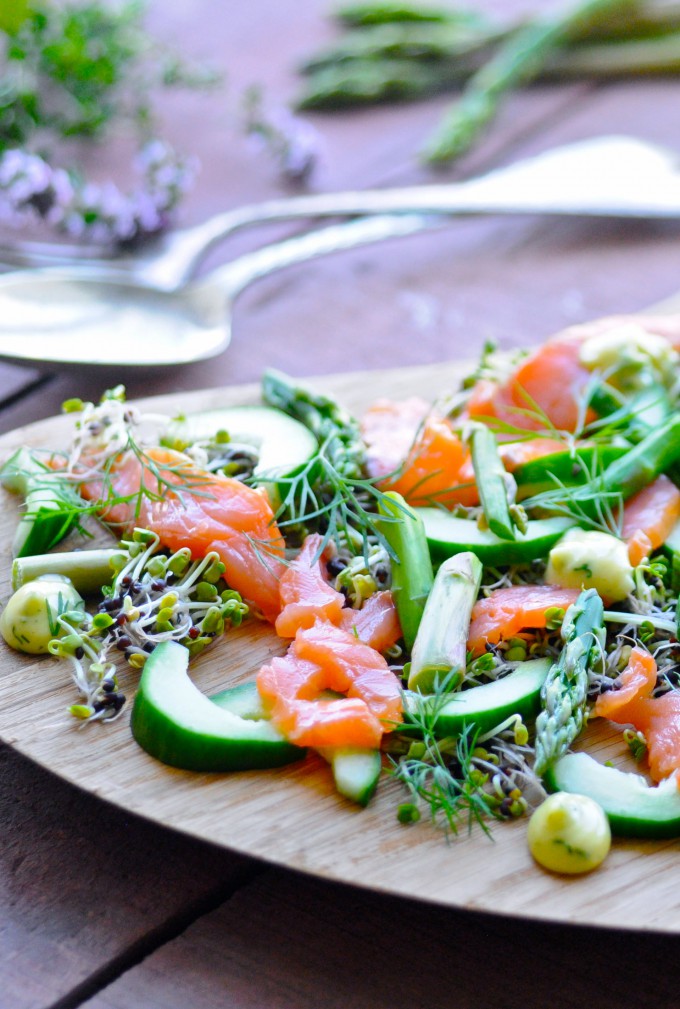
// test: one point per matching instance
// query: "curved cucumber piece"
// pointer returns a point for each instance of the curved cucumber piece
(550, 471)
(448, 535)
(633, 807)
(49, 514)
(518, 693)
(283, 443)
(356, 771)
(176, 723)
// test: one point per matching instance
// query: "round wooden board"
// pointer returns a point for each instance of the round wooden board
(292, 816)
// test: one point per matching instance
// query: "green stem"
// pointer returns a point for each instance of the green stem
(440, 650)
(492, 482)
(88, 570)
(517, 61)
(412, 575)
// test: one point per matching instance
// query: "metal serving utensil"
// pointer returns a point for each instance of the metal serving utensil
(111, 315)
(614, 176)
(68, 315)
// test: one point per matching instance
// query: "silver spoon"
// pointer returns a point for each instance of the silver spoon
(614, 176)
(72, 316)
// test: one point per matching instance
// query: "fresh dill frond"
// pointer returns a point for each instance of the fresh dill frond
(442, 775)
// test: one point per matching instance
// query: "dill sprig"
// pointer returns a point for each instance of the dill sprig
(442, 775)
(456, 778)
(343, 507)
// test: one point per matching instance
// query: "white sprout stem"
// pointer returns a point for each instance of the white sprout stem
(638, 619)
(192, 576)
(496, 731)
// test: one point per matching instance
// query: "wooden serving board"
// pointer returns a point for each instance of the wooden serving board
(292, 816)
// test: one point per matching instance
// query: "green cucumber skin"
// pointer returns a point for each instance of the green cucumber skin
(257, 425)
(166, 704)
(44, 522)
(356, 771)
(534, 477)
(448, 535)
(518, 693)
(633, 808)
(42, 529)
(672, 544)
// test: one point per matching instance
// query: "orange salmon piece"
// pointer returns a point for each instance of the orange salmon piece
(353, 668)
(376, 623)
(658, 718)
(505, 612)
(649, 517)
(221, 514)
(389, 428)
(306, 596)
(437, 469)
(551, 379)
(290, 687)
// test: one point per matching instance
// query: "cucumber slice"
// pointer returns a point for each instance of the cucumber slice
(518, 693)
(180, 726)
(448, 535)
(550, 471)
(672, 544)
(283, 443)
(634, 808)
(48, 515)
(356, 771)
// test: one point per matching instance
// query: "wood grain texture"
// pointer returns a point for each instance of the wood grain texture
(291, 816)
(82, 892)
(286, 941)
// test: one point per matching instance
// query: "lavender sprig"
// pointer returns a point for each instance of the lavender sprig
(33, 190)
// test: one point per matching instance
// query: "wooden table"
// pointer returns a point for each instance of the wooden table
(103, 910)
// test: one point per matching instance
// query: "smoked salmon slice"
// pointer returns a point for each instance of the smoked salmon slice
(437, 469)
(206, 512)
(326, 657)
(389, 428)
(290, 686)
(306, 596)
(353, 668)
(658, 718)
(506, 612)
(649, 517)
(376, 623)
(550, 381)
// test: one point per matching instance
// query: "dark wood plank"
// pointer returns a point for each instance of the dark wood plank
(84, 887)
(286, 941)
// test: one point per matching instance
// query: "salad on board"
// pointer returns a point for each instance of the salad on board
(457, 586)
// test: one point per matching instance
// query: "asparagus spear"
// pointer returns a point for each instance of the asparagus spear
(412, 575)
(88, 570)
(640, 413)
(334, 428)
(409, 56)
(440, 649)
(419, 42)
(654, 454)
(492, 482)
(516, 62)
(380, 77)
(565, 690)
(387, 11)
